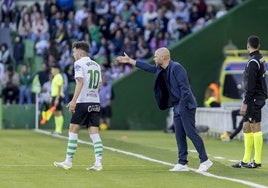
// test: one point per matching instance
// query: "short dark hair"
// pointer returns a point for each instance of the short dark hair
(56, 66)
(254, 41)
(82, 45)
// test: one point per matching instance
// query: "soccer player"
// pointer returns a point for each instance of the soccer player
(57, 97)
(255, 94)
(84, 106)
(172, 89)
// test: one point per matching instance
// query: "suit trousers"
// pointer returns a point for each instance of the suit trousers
(184, 124)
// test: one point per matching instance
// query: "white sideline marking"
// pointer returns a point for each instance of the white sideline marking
(218, 157)
(248, 183)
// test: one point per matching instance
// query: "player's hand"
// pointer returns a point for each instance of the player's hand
(71, 106)
(243, 109)
(56, 102)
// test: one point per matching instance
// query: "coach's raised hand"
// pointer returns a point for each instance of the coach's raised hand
(126, 59)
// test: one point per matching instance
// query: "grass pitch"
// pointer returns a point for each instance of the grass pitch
(26, 160)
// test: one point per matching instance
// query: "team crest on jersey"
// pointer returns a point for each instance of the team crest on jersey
(77, 68)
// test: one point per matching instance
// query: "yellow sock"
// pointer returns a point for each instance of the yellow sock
(248, 144)
(59, 123)
(258, 142)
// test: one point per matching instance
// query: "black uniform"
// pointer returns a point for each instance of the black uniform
(254, 86)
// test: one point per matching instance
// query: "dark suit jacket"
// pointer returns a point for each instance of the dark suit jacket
(175, 90)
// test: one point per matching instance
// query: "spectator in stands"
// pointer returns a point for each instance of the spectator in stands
(18, 51)
(161, 19)
(2, 73)
(41, 47)
(62, 36)
(35, 9)
(65, 87)
(117, 71)
(115, 25)
(141, 5)
(105, 102)
(103, 51)
(222, 11)
(103, 28)
(94, 31)
(231, 3)
(43, 74)
(40, 28)
(8, 11)
(25, 26)
(110, 15)
(194, 15)
(148, 31)
(72, 27)
(132, 22)
(182, 11)
(65, 5)
(175, 25)
(54, 23)
(52, 54)
(116, 42)
(158, 27)
(93, 47)
(1, 4)
(157, 41)
(118, 5)
(210, 14)
(167, 38)
(5, 56)
(81, 14)
(50, 8)
(150, 4)
(20, 14)
(126, 12)
(25, 85)
(149, 15)
(66, 57)
(143, 49)
(167, 11)
(44, 96)
(199, 24)
(129, 47)
(10, 86)
(101, 8)
(69, 71)
(201, 5)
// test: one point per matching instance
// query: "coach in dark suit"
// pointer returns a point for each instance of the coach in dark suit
(172, 89)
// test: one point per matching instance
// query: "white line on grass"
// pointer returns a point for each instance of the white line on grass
(248, 183)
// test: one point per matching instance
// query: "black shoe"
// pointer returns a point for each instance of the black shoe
(241, 164)
(253, 165)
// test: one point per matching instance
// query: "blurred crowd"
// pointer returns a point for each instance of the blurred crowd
(111, 27)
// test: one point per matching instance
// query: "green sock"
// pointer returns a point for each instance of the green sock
(98, 148)
(258, 142)
(71, 146)
(248, 144)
